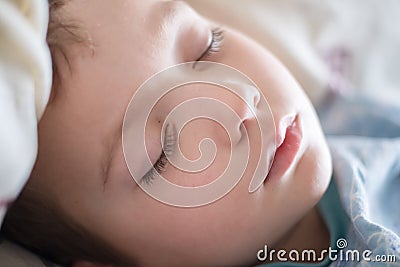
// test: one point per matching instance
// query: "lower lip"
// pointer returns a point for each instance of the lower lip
(285, 154)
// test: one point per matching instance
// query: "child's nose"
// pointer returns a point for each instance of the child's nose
(248, 97)
(245, 105)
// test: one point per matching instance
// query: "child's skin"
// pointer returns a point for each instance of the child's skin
(80, 134)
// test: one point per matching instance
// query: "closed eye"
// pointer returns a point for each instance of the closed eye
(217, 37)
(167, 150)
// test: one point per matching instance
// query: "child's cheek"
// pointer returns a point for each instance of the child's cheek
(203, 146)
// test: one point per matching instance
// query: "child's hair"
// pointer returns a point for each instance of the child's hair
(34, 220)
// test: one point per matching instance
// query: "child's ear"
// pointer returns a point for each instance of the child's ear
(89, 264)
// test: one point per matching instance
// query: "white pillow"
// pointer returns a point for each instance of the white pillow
(25, 82)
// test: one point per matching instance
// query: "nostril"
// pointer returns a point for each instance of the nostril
(248, 111)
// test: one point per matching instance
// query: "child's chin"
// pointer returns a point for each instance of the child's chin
(323, 171)
(315, 170)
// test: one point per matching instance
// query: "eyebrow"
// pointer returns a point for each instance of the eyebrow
(107, 162)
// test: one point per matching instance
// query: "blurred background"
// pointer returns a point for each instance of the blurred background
(345, 46)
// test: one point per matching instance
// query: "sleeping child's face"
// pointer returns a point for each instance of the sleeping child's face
(81, 162)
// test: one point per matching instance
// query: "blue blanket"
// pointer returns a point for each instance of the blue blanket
(364, 138)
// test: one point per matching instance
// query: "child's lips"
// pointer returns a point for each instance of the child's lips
(288, 144)
(284, 123)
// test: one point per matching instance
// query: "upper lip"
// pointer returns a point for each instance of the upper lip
(281, 127)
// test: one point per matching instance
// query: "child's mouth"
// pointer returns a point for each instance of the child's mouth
(287, 150)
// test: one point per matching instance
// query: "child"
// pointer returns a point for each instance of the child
(81, 206)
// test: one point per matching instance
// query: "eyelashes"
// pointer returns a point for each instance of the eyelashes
(217, 38)
(167, 150)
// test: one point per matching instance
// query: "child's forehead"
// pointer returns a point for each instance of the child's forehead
(129, 40)
(141, 11)
(140, 19)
